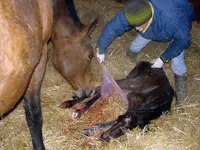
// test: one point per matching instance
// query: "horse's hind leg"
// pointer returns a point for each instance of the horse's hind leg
(32, 103)
(79, 112)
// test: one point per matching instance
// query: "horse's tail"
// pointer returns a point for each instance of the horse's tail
(72, 12)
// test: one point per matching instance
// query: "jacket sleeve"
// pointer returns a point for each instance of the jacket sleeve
(181, 40)
(115, 27)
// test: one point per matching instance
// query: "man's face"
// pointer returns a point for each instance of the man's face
(141, 27)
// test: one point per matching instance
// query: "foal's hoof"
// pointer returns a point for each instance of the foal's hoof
(105, 137)
(66, 104)
(77, 114)
(89, 131)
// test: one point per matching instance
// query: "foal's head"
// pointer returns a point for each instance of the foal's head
(123, 123)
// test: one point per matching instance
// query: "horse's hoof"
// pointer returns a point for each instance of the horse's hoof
(77, 114)
(65, 105)
(89, 131)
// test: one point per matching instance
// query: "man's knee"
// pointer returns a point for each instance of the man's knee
(178, 67)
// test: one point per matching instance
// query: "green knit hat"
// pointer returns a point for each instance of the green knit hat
(137, 12)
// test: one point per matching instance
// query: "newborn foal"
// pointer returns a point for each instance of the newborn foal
(149, 94)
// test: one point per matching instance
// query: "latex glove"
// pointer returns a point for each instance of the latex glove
(100, 58)
(158, 63)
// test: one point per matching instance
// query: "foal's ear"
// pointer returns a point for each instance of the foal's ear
(89, 29)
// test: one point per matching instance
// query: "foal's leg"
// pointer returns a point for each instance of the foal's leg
(98, 127)
(122, 83)
(32, 103)
(81, 94)
(79, 112)
(75, 100)
(90, 131)
(122, 122)
(125, 121)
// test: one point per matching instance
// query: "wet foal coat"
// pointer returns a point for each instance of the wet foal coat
(149, 94)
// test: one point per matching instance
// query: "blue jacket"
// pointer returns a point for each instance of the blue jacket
(172, 21)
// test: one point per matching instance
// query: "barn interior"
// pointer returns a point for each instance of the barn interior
(177, 130)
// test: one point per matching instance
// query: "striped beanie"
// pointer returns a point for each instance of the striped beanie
(137, 12)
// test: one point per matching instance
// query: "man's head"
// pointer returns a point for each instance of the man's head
(137, 12)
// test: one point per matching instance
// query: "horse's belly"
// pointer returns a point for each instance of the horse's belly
(21, 45)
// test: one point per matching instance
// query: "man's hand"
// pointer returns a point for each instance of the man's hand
(100, 57)
(158, 63)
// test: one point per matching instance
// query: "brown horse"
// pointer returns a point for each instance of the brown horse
(25, 28)
(72, 49)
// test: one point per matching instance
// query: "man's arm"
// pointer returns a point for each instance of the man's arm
(115, 27)
(182, 39)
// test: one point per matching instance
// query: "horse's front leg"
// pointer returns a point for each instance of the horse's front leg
(32, 103)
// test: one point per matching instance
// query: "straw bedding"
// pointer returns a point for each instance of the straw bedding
(177, 130)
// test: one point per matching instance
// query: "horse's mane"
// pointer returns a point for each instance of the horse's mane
(71, 11)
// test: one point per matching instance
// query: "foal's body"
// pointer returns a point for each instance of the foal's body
(149, 94)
